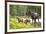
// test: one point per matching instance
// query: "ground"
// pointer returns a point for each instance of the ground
(15, 25)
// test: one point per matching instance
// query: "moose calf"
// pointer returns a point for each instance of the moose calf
(27, 21)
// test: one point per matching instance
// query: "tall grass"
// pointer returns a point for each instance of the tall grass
(15, 25)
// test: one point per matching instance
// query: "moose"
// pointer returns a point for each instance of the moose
(19, 20)
(27, 21)
(33, 15)
(23, 21)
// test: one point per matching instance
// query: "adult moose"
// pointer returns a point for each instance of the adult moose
(33, 15)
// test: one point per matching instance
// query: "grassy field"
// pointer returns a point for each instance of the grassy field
(15, 25)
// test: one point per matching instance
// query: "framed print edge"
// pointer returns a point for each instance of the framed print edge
(22, 2)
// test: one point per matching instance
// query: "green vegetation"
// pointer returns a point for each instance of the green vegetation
(15, 25)
(20, 11)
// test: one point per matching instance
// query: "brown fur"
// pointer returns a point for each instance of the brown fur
(27, 21)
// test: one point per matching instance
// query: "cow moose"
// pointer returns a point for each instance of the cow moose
(33, 15)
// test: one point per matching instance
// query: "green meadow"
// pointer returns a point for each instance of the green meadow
(15, 25)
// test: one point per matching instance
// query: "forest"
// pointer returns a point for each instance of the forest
(20, 11)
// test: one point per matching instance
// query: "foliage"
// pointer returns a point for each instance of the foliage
(20, 10)
(15, 25)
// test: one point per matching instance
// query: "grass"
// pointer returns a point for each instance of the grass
(15, 25)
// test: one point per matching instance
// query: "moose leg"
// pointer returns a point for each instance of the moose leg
(38, 19)
(18, 21)
(34, 22)
(25, 22)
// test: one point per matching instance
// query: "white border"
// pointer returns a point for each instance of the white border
(30, 29)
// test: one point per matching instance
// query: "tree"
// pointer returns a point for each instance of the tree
(12, 10)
